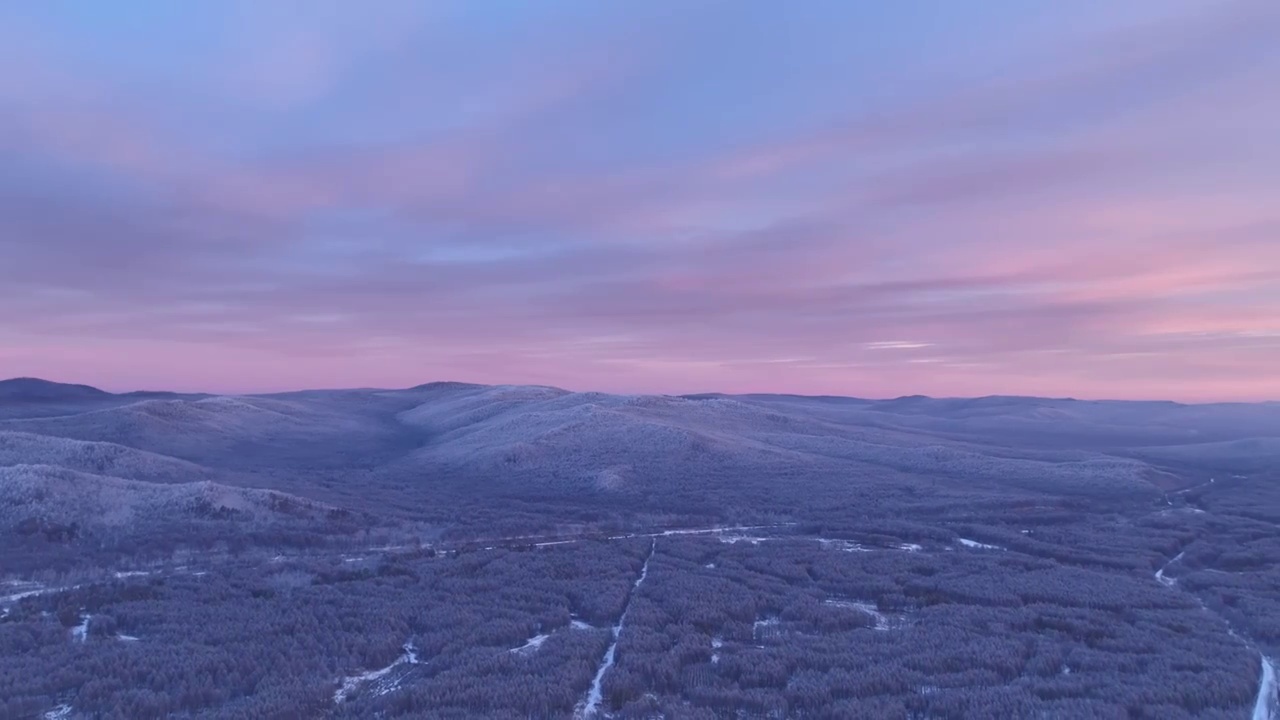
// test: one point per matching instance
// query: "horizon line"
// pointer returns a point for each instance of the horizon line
(373, 388)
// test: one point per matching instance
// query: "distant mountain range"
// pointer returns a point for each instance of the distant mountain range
(36, 389)
(415, 452)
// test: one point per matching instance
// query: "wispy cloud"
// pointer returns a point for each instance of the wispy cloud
(896, 345)
(607, 197)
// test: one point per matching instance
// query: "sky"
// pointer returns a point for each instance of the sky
(826, 197)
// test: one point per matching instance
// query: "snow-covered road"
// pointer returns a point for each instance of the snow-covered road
(1267, 704)
(590, 706)
(1164, 579)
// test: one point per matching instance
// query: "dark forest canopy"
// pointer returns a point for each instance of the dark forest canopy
(457, 550)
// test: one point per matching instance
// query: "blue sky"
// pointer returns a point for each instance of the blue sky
(836, 197)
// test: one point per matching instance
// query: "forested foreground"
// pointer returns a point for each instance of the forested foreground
(817, 621)
(460, 551)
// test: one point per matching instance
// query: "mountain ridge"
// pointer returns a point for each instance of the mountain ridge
(42, 389)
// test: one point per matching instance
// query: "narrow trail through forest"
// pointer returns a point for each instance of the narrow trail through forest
(1266, 704)
(590, 706)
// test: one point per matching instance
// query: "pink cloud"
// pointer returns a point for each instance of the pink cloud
(1072, 228)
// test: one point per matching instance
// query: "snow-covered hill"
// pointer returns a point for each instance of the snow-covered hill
(54, 496)
(645, 439)
(99, 458)
(377, 448)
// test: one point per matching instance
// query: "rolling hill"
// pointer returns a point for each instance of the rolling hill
(418, 449)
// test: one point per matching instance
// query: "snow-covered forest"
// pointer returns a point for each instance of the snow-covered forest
(510, 552)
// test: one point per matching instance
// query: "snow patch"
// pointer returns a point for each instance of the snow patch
(80, 633)
(1160, 576)
(554, 542)
(716, 644)
(853, 546)
(29, 589)
(882, 620)
(126, 638)
(977, 545)
(8, 600)
(843, 545)
(719, 529)
(763, 627)
(576, 624)
(532, 645)
(1267, 706)
(59, 713)
(383, 684)
(735, 539)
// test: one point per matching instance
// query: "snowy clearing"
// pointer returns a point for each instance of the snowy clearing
(382, 687)
(843, 545)
(762, 627)
(882, 620)
(719, 529)
(735, 539)
(977, 545)
(531, 646)
(80, 633)
(854, 546)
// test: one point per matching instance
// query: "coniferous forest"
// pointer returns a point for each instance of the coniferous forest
(455, 551)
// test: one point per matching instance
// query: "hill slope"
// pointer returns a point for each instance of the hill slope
(100, 458)
(36, 390)
(46, 496)
(439, 445)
